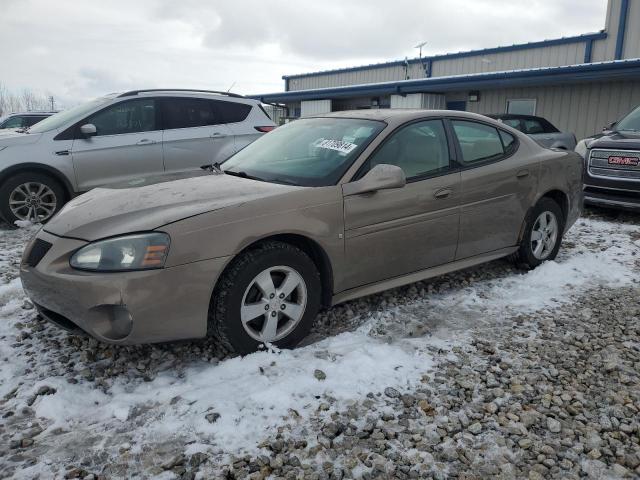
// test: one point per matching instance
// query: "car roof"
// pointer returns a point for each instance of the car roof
(399, 115)
(184, 92)
(31, 112)
(514, 116)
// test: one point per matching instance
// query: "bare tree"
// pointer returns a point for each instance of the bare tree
(27, 100)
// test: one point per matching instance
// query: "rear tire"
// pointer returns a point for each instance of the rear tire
(542, 235)
(270, 294)
(30, 196)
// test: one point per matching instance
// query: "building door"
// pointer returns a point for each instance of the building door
(458, 105)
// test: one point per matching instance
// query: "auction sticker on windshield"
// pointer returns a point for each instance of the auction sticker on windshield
(337, 145)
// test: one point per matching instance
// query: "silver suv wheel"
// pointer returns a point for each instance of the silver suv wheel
(33, 201)
(544, 235)
(273, 304)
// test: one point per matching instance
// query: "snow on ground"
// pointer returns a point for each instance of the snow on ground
(246, 398)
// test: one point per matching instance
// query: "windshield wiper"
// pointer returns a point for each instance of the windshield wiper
(242, 174)
(282, 181)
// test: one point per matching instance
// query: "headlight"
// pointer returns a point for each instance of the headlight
(142, 251)
(581, 148)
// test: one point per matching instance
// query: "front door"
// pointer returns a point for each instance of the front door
(127, 145)
(498, 186)
(193, 134)
(398, 231)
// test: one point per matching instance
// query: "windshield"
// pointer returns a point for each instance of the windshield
(311, 152)
(60, 119)
(631, 122)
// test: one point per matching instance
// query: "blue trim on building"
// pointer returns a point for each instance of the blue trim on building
(486, 51)
(622, 25)
(588, 49)
(602, 71)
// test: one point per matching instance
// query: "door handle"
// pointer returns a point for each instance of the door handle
(522, 173)
(145, 141)
(219, 135)
(442, 193)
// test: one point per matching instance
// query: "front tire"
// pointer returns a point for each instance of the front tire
(30, 196)
(542, 236)
(270, 294)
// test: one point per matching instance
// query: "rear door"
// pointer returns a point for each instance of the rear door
(194, 134)
(398, 231)
(247, 123)
(127, 144)
(498, 186)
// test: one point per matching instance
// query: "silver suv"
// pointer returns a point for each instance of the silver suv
(22, 119)
(117, 138)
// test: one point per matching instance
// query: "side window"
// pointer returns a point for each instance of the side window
(125, 117)
(478, 142)
(13, 122)
(509, 142)
(513, 123)
(532, 126)
(187, 113)
(231, 112)
(548, 126)
(419, 149)
(29, 121)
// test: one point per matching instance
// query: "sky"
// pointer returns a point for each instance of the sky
(80, 49)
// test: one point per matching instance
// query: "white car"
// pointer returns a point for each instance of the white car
(117, 138)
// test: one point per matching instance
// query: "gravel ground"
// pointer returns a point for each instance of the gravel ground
(549, 392)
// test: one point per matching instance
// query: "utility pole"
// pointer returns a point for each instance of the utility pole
(420, 45)
(53, 103)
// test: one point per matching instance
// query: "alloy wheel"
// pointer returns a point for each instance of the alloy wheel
(273, 304)
(544, 235)
(33, 201)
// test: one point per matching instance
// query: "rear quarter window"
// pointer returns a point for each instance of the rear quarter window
(478, 142)
(231, 112)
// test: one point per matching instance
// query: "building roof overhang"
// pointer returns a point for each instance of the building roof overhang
(587, 72)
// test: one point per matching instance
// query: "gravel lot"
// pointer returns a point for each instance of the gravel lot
(489, 372)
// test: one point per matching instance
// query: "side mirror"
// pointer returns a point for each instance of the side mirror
(609, 127)
(380, 177)
(88, 130)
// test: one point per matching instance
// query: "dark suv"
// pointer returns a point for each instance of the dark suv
(612, 170)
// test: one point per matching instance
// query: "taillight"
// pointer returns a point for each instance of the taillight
(265, 129)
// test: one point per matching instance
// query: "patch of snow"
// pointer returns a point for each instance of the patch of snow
(255, 393)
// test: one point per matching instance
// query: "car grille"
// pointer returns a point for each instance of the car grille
(600, 164)
(38, 251)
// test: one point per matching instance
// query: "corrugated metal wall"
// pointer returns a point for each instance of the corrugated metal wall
(356, 77)
(554, 56)
(581, 108)
(419, 100)
(632, 32)
(314, 107)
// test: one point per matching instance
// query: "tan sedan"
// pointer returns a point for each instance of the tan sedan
(317, 212)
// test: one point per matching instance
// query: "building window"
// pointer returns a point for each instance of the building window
(523, 106)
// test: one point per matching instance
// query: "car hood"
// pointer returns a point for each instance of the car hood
(105, 212)
(615, 140)
(12, 137)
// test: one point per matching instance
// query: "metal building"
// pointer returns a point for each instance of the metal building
(579, 83)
